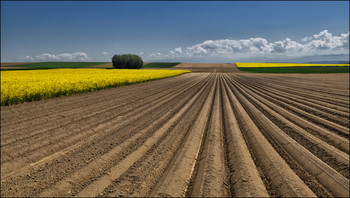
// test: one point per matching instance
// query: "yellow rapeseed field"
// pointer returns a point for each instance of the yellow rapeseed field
(284, 65)
(23, 86)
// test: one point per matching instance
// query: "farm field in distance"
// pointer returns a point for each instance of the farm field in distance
(214, 132)
(159, 65)
(293, 68)
(49, 65)
(57, 65)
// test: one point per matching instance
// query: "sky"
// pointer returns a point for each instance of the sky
(183, 31)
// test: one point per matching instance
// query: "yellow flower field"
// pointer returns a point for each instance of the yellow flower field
(23, 86)
(284, 65)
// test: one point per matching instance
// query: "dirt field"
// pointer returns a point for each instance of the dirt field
(200, 134)
(107, 65)
(11, 67)
(208, 67)
(13, 64)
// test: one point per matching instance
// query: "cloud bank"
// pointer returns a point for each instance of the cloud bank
(323, 43)
(73, 57)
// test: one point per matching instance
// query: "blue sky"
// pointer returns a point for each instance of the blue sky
(198, 31)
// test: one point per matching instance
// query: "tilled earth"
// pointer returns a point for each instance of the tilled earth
(215, 132)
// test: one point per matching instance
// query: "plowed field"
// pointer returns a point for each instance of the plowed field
(214, 132)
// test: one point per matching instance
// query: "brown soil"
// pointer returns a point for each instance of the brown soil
(12, 64)
(107, 65)
(11, 67)
(208, 67)
(215, 132)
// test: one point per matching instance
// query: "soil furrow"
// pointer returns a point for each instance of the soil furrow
(87, 124)
(216, 132)
(280, 84)
(337, 184)
(115, 172)
(284, 182)
(76, 138)
(245, 179)
(139, 179)
(95, 141)
(327, 136)
(332, 156)
(70, 110)
(87, 172)
(209, 179)
(313, 94)
(306, 101)
(178, 177)
(310, 102)
(73, 115)
(307, 115)
(307, 87)
(317, 110)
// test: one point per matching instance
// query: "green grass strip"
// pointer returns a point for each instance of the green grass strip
(159, 65)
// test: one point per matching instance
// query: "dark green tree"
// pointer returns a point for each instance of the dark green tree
(127, 61)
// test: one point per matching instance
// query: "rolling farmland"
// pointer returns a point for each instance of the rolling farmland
(49, 65)
(214, 132)
(293, 68)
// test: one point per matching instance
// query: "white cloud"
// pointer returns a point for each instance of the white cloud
(326, 41)
(287, 45)
(28, 59)
(77, 56)
(155, 56)
(318, 44)
(141, 53)
(46, 57)
(177, 50)
(104, 53)
(158, 54)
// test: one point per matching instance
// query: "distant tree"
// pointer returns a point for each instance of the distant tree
(127, 61)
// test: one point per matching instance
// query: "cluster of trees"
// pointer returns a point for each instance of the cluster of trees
(127, 61)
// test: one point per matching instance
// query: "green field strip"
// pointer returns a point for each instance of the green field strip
(160, 65)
